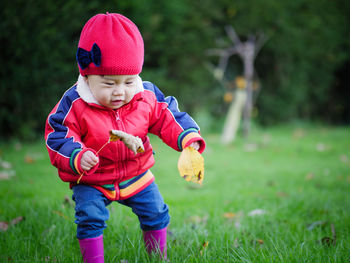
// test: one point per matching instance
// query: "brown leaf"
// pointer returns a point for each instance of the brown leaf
(229, 215)
(204, 247)
(60, 214)
(344, 158)
(257, 242)
(28, 159)
(4, 226)
(6, 175)
(68, 201)
(282, 194)
(197, 220)
(5, 164)
(309, 176)
(328, 241)
(298, 133)
(234, 218)
(17, 220)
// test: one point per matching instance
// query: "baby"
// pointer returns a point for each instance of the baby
(110, 95)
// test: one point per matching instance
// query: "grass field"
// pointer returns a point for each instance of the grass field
(281, 196)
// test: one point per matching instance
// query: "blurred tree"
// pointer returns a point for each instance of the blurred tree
(247, 51)
(307, 45)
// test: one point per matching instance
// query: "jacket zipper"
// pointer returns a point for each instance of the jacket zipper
(120, 150)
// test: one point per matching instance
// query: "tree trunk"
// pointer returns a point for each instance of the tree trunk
(248, 63)
(233, 117)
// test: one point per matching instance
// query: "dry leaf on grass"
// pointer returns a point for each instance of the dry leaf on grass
(344, 158)
(330, 241)
(195, 219)
(256, 242)
(5, 225)
(29, 159)
(235, 218)
(204, 247)
(5, 164)
(229, 215)
(298, 133)
(257, 212)
(310, 176)
(60, 214)
(282, 194)
(6, 175)
(68, 201)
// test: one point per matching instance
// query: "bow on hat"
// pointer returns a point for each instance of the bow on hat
(85, 57)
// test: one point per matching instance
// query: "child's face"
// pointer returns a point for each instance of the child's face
(113, 91)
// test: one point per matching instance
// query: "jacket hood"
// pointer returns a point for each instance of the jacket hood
(85, 93)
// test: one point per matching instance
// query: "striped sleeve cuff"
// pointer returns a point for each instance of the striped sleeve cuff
(75, 161)
(189, 136)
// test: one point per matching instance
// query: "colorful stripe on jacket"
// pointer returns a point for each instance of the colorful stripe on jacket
(127, 188)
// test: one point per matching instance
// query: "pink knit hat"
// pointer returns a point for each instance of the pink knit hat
(110, 44)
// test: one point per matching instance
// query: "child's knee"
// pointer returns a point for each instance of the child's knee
(91, 213)
(91, 217)
(156, 219)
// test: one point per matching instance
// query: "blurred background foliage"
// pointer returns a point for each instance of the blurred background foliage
(303, 68)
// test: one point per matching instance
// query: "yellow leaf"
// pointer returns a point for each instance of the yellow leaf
(229, 215)
(60, 214)
(29, 159)
(191, 165)
(113, 137)
(228, 97)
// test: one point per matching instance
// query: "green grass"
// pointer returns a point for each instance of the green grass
(299, 178)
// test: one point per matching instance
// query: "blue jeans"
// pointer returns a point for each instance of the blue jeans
(91, 211)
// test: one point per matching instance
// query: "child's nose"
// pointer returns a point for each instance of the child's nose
(118, 91)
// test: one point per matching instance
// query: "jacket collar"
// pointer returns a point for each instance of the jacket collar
(85, 93)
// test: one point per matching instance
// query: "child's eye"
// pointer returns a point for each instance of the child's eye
(129, 82)
(109, 83)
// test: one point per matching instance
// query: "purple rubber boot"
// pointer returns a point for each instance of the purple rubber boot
(92, 249)
(155, 241)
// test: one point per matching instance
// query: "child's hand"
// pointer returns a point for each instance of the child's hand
(88, 160)
(195, 145)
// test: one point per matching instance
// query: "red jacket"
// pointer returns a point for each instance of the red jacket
(76, 125)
